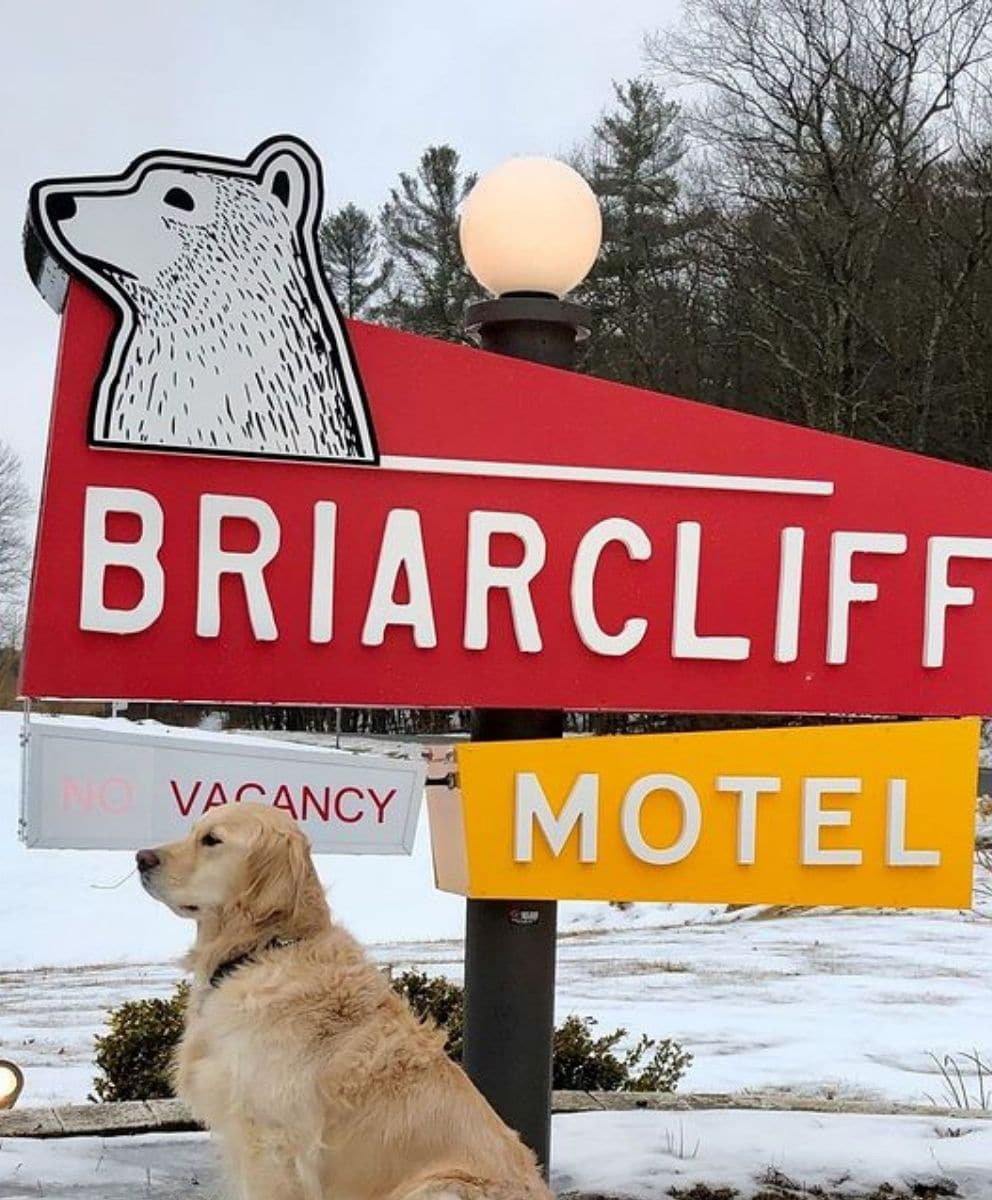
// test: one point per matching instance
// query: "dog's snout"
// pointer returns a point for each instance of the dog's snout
(60, 206)
(147, 860)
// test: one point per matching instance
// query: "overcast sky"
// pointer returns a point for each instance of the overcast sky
(86, 86)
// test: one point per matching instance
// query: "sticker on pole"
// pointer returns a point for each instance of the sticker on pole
(90, 787)
(874, 814)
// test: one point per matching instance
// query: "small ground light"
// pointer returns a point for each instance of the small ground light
(11, 1082)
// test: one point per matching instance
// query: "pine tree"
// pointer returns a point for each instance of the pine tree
(638, 289)
(349, 247)
(419, 228)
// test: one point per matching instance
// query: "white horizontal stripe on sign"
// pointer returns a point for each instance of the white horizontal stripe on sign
(570, 474)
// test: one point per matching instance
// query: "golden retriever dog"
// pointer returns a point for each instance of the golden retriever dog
(318, 1080)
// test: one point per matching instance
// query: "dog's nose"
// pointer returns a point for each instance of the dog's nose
(147, 859)
(60, 206)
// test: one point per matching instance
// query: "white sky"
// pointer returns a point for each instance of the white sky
(86, 86)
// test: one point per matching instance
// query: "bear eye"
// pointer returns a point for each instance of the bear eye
(210, 839)
(177, 197)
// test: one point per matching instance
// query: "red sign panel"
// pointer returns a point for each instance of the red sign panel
(500, 534)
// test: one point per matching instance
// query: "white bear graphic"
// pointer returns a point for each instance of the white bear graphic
(228, 340)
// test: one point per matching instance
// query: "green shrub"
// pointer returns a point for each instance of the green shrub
(586, 1063)
(581, 1061)
(440, 1000)
(135, 1054)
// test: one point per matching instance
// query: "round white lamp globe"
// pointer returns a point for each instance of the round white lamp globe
(530, 225)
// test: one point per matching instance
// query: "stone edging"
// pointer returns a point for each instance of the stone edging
(172, 1116)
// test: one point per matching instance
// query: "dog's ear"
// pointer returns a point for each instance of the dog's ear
(278, 867)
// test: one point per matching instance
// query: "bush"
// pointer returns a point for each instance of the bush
(584, 1063)
(440, 1000)
(581, 1061)
(135, 1055)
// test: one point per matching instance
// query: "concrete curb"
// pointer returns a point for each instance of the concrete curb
(133, 1117)
(98, 1120)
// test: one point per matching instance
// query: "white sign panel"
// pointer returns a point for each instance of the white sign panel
(96, 785)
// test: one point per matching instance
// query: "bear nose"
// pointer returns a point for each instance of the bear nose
(147, 860)
(60, 207)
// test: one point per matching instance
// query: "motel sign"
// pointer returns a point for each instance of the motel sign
(698, 571)
(91, 787)
(865, 814)
(422, 523)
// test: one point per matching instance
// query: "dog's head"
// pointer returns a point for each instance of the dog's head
(248, 860)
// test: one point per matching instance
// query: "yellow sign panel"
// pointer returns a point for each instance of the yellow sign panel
(874, 814)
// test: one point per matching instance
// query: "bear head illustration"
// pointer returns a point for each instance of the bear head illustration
(228, 340)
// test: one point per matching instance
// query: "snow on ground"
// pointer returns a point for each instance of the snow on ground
(641, 1155)
(831, 1002)
(646, 1154)
(835, 1004)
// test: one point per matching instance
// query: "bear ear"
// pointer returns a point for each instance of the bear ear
(286, 174)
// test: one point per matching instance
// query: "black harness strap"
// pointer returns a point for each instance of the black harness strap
(231, 965)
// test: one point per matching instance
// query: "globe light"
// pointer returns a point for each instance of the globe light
(530, 225)
(11, 1082)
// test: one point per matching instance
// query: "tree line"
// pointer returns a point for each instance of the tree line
(808, 237)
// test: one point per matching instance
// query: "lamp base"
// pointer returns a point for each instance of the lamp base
(529, 325)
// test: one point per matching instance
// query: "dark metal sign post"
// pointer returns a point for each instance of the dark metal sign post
(510, 944)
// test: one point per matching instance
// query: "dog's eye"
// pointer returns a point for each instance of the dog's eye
(177, 197)
(210, 839)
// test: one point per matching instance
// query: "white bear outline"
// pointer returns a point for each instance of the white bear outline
(300, 393)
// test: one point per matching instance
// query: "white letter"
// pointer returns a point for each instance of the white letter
(581, 808)
(638, 547)
(844, 591)
(325, 515)
(686, 643)
(630, 819)
(790, 590)
(941, 595)
(814, 818)
(249, 564)
(748, 788)
(140, 556)
(402, 547)
(483, 577)
(896, 854)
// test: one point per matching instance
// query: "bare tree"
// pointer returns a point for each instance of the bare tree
(13, 512)
(851, 227)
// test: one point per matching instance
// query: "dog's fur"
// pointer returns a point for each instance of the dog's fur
(316, 1077)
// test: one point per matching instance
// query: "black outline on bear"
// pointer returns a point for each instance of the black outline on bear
(50, 260)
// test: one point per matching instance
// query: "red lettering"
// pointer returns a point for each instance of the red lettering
(381, 804)
(124, 791)
(309, 798)
(215, 791)
(184, 808)
(244, 788)
(337, 805)
(284, 801)
(75, 792)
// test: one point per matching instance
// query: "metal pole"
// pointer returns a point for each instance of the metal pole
(510, 944)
